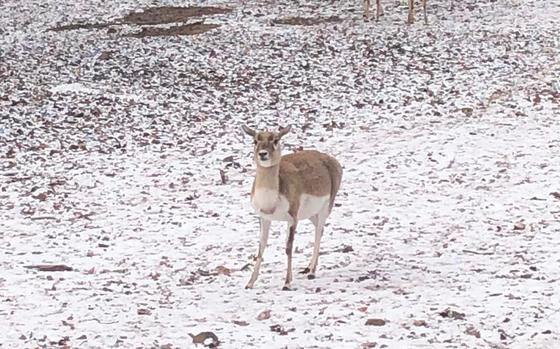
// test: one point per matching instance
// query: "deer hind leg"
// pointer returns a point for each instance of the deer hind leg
(265, 228)
(379, 10)
(366, 9)
(425, 12)
(289, 248)
(319, 222)
(410, 11)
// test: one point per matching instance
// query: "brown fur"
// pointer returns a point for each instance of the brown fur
(307, 172)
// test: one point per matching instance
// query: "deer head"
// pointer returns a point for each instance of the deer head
(267, 147)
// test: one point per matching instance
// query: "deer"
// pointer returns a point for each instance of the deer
(290, 188)
(379, 10)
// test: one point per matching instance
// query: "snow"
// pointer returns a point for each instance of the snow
(448, 135)
(75, 87)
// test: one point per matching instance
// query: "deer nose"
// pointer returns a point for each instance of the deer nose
(263, 154)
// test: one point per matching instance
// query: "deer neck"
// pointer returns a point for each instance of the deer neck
(268, 178)
(267, 186)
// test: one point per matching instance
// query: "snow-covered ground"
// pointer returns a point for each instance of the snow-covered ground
(123, 159)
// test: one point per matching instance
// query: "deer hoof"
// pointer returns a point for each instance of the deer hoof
(305, 271)
(311, 276)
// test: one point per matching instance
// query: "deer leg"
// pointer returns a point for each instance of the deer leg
(425, 12)
(379, 10)
(289, 248)
(265, 228)
(410, 11)
(319, 223)
(366, 9)
(315, 221)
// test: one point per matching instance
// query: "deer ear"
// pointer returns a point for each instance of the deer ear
(284, 130)
(248, 131)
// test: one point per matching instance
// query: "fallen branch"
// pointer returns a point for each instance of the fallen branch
(50, 267)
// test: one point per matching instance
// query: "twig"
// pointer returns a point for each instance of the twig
(42, 218)
(479, 253)
(450, 163)
(104, 323)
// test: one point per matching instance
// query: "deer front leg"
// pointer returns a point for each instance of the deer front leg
(289, 248)
(265, 228)
(425, 12)
(366, 9)
(410, 11)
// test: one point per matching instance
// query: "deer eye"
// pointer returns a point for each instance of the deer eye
(255, 142)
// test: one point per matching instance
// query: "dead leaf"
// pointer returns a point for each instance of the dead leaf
(240, 323)
(420, 323)
(223, 177)
(57, 182)
(363, 309)
(298, 149)
(143, 311)
(221, 270)
(472, 331)
(40, 197)
(467, 111)
(375, 322)
(66, 323)
(519, 226)
(555, 195)
(264, 315)
(202, 338)
(106, 55)
(448, 313)
(280, 330)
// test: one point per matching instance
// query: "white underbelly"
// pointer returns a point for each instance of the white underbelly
(272, 206)
(311, 205)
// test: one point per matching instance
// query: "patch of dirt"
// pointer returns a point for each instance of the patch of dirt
(184, 29)
(155, 16)
(171, 14)
(306, 21)
(76, 26)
